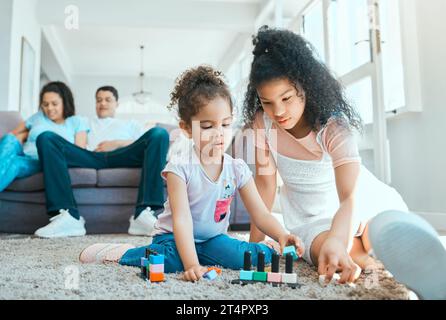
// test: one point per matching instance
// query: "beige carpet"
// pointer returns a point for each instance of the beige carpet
(32, 268)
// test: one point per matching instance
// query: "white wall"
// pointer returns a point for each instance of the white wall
(5, 44)
(418, 148)
(84, 89)
(23, 24)
(50, 62)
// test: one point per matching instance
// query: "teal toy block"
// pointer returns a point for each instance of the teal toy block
(156, 259)
(292, 250)
(210, 275)
(246, 275)
(260, 276)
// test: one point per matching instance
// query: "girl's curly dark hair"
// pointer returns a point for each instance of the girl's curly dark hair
(283, 54)
(194, 88)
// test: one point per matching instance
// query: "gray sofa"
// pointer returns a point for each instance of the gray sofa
(105, 198)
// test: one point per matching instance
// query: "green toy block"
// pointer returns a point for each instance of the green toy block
(260, 276)
(246, 275)
(292, 250)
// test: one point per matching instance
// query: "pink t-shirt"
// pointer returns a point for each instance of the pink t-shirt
(338, 141)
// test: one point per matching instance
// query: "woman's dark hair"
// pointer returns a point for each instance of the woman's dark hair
(111, 89)
(282, 54)
(64, 93)
(194, 88)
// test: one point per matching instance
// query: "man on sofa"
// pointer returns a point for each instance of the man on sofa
(112, 143)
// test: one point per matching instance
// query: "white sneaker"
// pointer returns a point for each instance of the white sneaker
(63, 225)
(144, 224)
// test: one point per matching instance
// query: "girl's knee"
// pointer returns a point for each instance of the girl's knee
(45, 138)
(158, 133)
(10, 142)
(9, 138)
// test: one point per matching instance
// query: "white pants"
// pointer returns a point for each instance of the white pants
(307, 233)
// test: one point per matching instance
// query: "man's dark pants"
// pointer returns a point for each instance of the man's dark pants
(56, 155)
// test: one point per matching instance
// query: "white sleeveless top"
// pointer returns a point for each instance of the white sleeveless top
(309, 192)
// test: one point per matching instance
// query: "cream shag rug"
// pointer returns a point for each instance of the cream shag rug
(32, 268)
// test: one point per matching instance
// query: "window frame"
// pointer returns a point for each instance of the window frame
(378, 141)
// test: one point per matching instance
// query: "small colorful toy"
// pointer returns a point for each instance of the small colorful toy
(152, 266)
(145, 264)
(246, 273)
(212, 273)
(289, 276)
(292, 250)
(334, 281)
(274, 277)
(260, 274)
(218, 270)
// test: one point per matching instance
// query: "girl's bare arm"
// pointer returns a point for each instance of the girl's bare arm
(21, 132)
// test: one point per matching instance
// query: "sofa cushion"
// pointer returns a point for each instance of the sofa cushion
(106, 210)
(9, 120)
(120, 177)
(83, 196)
(79, 178)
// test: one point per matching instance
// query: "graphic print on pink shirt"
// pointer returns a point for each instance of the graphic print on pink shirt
(221, 209)
(223, 205)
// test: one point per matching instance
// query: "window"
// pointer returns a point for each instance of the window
(349, 35)
(363, 43)
(237, 77)
(361, 95)
(342, 33)
(393, 73)
(313, 27)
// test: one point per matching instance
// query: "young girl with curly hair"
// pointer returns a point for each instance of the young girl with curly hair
(201, 183)
(307, 135)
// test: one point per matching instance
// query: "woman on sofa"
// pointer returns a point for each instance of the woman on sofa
(18, 151)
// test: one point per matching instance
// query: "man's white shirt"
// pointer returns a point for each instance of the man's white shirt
(108, 129)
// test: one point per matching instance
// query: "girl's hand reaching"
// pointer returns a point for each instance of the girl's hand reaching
(194, 273)
(333, 256)
(272, 244)
(291, 240)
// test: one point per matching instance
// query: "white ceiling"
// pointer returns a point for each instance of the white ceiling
(177, 34)
(115, 50)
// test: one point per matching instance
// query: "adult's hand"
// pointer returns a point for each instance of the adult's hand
(107, 146)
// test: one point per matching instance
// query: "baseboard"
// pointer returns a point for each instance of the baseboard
(240, 227)
(436, 219)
